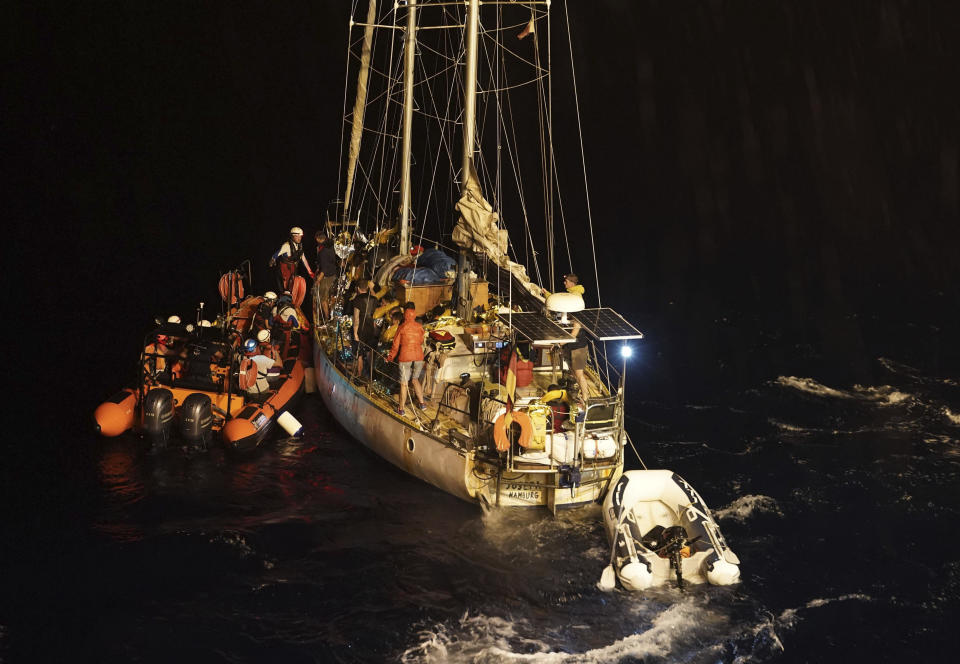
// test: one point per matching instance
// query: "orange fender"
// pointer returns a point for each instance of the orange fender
(504, 421)
(116, 414)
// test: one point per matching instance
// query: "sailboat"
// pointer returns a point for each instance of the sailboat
(508, 420)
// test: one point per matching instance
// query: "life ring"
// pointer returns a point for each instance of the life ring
(500, 430)
(247, 377)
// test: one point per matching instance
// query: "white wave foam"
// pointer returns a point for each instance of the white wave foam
(789, 616)
(905, 369)
(950, 415)
(883, 395)
(746, 506)
(810, 386)
(686, 631)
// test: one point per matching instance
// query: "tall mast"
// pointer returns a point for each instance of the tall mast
(470, 93)
(360, 103)
(464, 303)
(410, 41)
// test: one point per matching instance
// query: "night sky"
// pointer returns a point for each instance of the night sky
(793, 161)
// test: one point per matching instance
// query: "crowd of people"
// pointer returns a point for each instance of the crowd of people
(381, 329)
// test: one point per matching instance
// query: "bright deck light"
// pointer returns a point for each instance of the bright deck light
(626, 351)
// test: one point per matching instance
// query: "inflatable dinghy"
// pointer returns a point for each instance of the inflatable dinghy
(207, 381)
(659, 530)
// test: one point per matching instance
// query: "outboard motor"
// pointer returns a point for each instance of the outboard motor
(196, 415)
(158, 415)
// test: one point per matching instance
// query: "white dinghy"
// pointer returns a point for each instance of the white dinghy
(660, 528)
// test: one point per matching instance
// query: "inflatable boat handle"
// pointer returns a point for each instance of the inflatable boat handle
(709, 525)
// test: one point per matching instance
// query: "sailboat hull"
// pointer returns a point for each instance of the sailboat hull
(451, 467)
(389, 436)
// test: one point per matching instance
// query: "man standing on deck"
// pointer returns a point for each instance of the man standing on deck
(362, 307)
(288, 259)
(409, 344)
(578, 349)
(327, 271)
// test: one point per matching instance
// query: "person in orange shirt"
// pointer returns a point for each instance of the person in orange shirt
(408, 344)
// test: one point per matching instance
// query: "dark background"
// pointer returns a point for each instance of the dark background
(774, 190)
(793, 162)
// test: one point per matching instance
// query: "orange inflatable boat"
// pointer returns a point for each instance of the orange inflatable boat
(237, 377)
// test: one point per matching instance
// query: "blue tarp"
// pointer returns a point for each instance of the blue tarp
(432, 266)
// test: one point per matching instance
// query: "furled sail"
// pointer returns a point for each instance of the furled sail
(478, 231)
(360, 103)
(477, 228)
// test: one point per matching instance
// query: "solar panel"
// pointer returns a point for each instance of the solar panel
(606, 324)
(536, 328)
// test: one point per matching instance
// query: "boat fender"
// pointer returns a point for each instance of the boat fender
(196, 418)
(636, 575)
(500, 429)
(721, 573)
(116, 415)
(290, 424)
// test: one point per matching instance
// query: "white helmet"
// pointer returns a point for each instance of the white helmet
(205, 323)
(263, 336)
(269, 296)
(296, 230)
(174, 319)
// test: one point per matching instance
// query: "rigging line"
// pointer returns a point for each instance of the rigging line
(443, 144)
(563, 218)
(378, 75)
(392, 82)
(583, 156)
(498, 113)
(513, 151)
(532, 81)
(555, 173)
(547, 192)
(381, 135)
(346, 83)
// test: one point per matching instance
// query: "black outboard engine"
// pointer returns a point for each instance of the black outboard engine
(158, 415)
(196, 415)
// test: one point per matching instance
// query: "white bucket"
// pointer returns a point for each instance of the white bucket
(290, 424)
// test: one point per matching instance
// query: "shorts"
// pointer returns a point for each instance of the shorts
(578, 359)
(410, 370)
(326, 285)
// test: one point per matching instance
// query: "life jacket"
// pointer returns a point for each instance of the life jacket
(443, 340)
(155, 365)
(296, 251)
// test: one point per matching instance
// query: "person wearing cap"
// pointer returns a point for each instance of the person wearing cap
(267, 347)
(253, 358)
(328, 268)
(288, 258)
(263, 316)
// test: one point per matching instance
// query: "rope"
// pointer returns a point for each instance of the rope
(583, 156)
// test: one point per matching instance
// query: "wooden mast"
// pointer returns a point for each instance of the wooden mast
(410, 41)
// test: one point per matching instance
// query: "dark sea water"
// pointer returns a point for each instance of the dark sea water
(839, 497)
